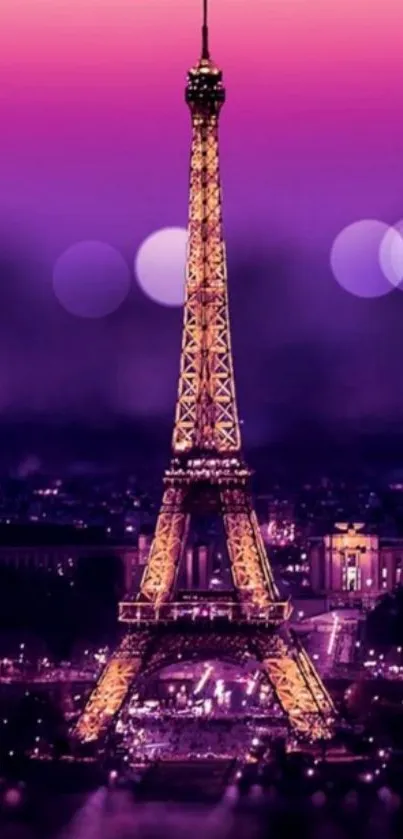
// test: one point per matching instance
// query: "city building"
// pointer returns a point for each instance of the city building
(58, 548)
(355, 564)
(280, 529)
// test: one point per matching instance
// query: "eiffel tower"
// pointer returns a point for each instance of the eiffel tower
(207, 472)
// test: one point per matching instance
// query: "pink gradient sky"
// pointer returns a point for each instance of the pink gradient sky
(92, 89)
(94, 144)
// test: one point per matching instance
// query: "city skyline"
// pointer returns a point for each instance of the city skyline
(301, 165)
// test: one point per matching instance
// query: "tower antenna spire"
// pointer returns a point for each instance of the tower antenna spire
(205, 50)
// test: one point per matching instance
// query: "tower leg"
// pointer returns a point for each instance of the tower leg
(166, 548)
(251, 571)
(112, 687)
(298, 687)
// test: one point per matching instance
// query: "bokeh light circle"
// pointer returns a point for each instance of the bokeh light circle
(12, 797)
(91, 279)
(391, 255)
(355, 259)
(160, 266)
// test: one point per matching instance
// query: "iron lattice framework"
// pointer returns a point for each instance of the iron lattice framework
(207, 461)
(206, 412)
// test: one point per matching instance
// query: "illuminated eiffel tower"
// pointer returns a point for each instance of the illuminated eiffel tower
(207, 472)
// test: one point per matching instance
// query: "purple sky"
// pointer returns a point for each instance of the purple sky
(95, 145)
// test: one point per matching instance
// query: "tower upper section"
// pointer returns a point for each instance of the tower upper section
(205, 92)
(206, 420)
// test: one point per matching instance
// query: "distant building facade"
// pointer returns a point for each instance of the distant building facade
(355, 564)
(60, 548)
(280, 530)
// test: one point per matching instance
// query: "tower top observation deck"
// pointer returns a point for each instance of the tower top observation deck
(205, 92)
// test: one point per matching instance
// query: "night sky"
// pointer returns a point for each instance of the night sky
(94, 145)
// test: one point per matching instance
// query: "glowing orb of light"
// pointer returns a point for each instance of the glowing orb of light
(391, 255)
(91, 279)
(256, 791)
(160, 266)
(355, 259)
(318, 798)
(12, 797)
